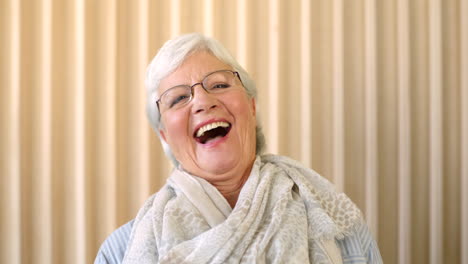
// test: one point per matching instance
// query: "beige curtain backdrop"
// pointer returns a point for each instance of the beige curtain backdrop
(372, 94)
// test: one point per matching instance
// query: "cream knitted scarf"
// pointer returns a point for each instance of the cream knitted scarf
(285, 213)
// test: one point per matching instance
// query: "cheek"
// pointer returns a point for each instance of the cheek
(239, 104)
(245, 109)
(175, 126)
(244, 115)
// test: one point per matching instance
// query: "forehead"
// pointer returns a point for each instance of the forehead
(193, 70)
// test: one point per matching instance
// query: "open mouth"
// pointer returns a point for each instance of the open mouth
(212, 131)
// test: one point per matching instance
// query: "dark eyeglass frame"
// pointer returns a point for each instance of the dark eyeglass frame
(235, 73)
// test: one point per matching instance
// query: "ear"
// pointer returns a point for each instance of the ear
(253, 106)
(163, 136)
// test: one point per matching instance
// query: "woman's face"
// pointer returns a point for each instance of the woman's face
(216, 157)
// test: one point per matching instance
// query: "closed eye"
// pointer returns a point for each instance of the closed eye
(179, 100)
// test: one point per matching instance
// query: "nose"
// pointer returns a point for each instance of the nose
(203, 100)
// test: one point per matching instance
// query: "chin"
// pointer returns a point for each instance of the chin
(220, 164)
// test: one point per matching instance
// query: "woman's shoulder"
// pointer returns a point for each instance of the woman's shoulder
(359, 246)
(113, 248)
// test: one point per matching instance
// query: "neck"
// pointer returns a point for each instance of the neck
(230, 183)
(231, 191)
(231, 188)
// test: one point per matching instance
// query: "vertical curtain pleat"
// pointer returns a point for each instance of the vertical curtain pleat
(371, 94)
(42, 209)
(370, 101)
(337, 95)
(10, 129)
(306, 84)
(242, 32)
(464, 128)
(435, 128)
(175, 17)
(451, 117)
(104, 155)
(404, 133)
(76, 166)
(142, 136)
(274, 116)
(208, 17)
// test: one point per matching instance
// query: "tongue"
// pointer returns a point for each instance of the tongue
(211, 139)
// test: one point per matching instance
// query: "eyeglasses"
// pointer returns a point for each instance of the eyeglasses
(215, 82)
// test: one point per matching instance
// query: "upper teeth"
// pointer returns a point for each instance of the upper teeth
(214, 125)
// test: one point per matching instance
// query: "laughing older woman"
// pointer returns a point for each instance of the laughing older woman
(225, 202)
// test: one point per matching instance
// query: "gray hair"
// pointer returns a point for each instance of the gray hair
(171, 55)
